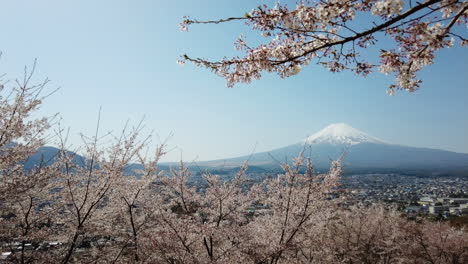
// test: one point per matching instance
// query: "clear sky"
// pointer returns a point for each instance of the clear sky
(121, 55)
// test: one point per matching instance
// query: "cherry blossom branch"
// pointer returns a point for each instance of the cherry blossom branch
(313, 31)
(362, 34)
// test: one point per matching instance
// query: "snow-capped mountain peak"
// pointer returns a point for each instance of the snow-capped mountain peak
(341, 134)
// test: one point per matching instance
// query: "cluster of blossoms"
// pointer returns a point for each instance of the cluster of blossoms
(388, 8)
(324, 32)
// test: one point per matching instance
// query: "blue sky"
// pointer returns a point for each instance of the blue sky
(121, 55)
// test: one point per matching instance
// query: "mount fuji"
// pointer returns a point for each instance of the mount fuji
(361, 150)
(341, 134)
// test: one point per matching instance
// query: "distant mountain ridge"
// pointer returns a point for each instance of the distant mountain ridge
(361, 149)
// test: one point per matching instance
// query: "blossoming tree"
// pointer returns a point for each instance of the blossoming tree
(23, 190)
(330, 32)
